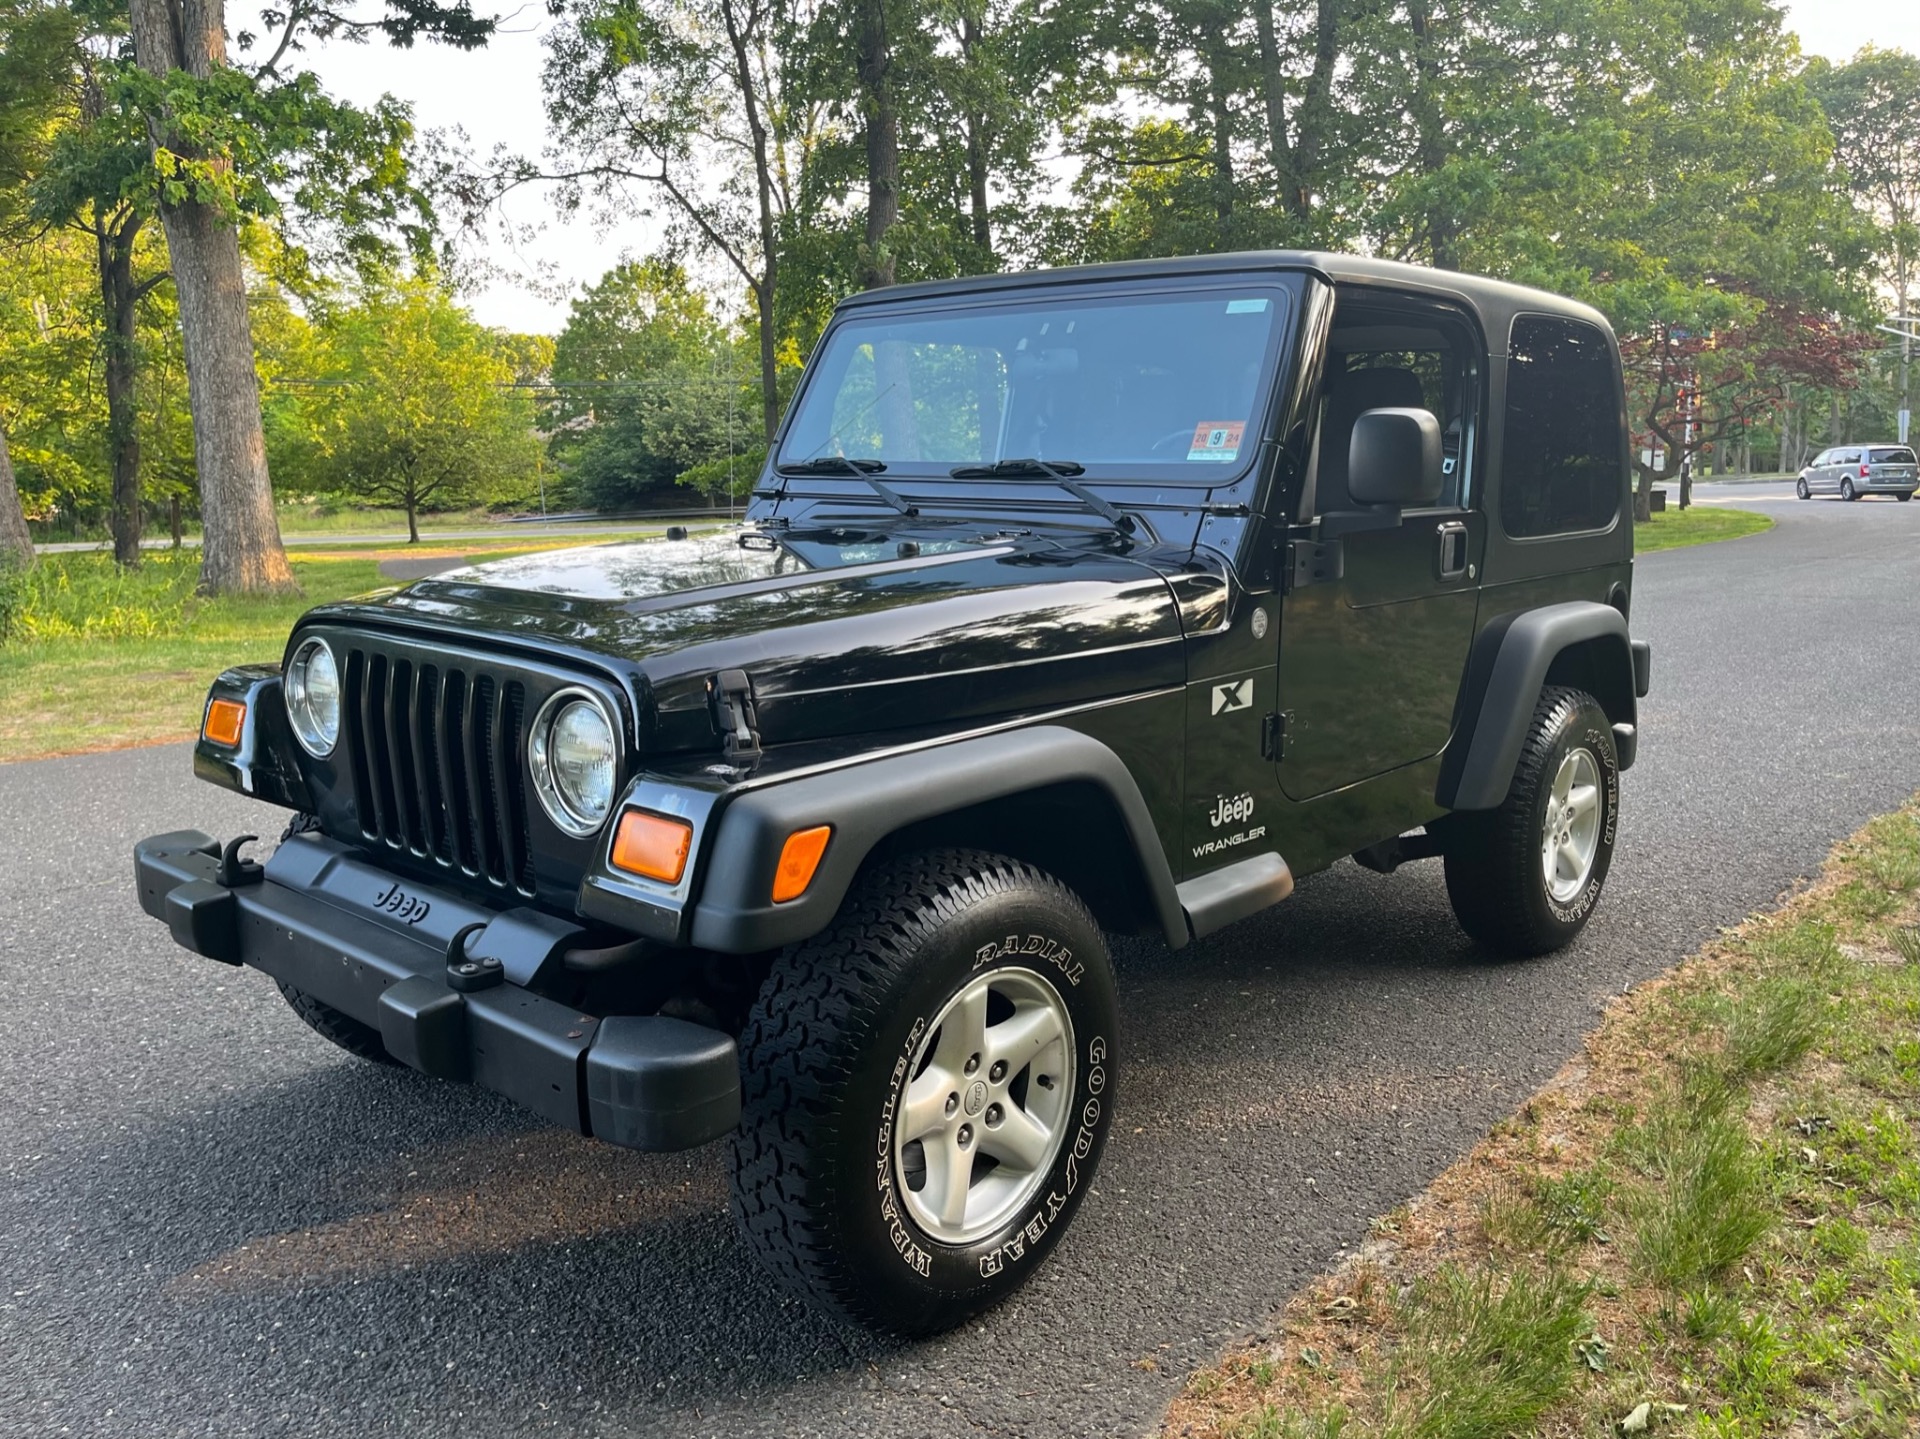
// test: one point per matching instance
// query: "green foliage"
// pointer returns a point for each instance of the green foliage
(83, 598)
(415, 406)
(647, 385)
(13, 594)
(1873, 109)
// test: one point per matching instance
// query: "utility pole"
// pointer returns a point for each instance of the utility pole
(1909, 331)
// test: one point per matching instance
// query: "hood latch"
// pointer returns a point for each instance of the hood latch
(730, 695)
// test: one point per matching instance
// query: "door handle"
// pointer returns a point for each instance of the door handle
(1451, 561)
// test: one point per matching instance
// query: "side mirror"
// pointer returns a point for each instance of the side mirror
(1395, 459)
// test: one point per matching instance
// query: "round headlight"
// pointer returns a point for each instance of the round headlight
(575, 760)
(313, 698)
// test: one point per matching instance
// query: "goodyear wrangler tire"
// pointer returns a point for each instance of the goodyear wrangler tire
(1524, 878)
(927, 1091)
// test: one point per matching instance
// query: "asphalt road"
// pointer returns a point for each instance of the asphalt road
(213, 1223)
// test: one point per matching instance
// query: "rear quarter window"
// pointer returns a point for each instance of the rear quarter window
(1563, 463)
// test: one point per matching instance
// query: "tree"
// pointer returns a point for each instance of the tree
(1873, 108)
(685, 106)
(419, 408)
(241, 548)
(638, 345)
(221, 138)
(87, 178)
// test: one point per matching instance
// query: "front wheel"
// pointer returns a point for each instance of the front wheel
(927, 1091)
(1800, 488)
(1524, 878)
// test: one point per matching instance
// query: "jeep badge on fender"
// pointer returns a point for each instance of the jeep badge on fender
(1071, 604)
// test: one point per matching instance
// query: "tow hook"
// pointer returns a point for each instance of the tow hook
(235, 871)
(467, 973)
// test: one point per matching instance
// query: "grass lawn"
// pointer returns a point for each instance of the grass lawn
(1696, 525)
(100, 660)
(1707, 1225)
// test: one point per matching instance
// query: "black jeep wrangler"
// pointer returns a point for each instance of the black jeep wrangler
(1096, 601)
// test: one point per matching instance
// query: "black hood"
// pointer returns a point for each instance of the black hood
(841, 630)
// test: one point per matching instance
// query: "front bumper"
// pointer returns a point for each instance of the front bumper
(374, 947)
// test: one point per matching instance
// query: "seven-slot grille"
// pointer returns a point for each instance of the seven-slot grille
(433, 752)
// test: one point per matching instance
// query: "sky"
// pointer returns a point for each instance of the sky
(494, 95)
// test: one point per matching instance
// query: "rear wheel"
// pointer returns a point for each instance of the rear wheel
(926, 1091)
(1904, 496)
(1524, 878)
(361, 1040)
(1847, 491)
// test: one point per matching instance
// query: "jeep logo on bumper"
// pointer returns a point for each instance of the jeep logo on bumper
(407, 908)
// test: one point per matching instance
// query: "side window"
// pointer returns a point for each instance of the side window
(1388, 354)
(1818, 460)
(1563, 465)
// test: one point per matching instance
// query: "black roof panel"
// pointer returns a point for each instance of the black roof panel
(1494, 300)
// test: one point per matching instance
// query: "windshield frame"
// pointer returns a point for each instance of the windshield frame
(1278, 285)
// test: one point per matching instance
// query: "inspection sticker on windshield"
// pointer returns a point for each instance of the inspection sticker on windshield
(1216, 440)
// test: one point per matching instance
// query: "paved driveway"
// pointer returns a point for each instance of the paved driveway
(214, 1223)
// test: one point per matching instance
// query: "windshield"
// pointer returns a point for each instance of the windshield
(1151, 387)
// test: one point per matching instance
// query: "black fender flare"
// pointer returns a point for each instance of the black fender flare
(1511, 661)
(869, 800)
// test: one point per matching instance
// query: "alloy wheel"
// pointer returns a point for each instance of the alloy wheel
(985, 1110)
(1570, 833)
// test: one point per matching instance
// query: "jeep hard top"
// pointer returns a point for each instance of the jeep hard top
(1108, 600)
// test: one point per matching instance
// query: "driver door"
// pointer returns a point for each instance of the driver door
(1370, 662)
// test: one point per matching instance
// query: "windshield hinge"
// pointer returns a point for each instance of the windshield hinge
(1273, 735)
(730, 694)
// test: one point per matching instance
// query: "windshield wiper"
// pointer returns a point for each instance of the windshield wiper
(1061, 472)
(841, 465)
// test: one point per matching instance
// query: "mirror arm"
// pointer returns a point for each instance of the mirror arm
(1336, 523)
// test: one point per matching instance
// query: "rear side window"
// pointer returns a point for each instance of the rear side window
(1891, 457)
(1563, 464)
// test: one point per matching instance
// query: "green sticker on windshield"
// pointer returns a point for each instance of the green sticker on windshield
(1246, 307)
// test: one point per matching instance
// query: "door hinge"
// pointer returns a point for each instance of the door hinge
(1273, 735)
(730, 694)
(1313, 563)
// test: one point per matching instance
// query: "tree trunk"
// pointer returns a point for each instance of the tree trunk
(766, 284)
(981, 214)
(874, 65)
(1221, 115)
(413, 519)
(1273, 91)
(241, 551)
(1315, 120)
(1442, 227)
(16, 545)
(114, 249)
(763, 294)
(173, 519)
(1643, 494)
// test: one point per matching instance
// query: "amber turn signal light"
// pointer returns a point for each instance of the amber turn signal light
(224, 722)
(652, 846)
(799, 858)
